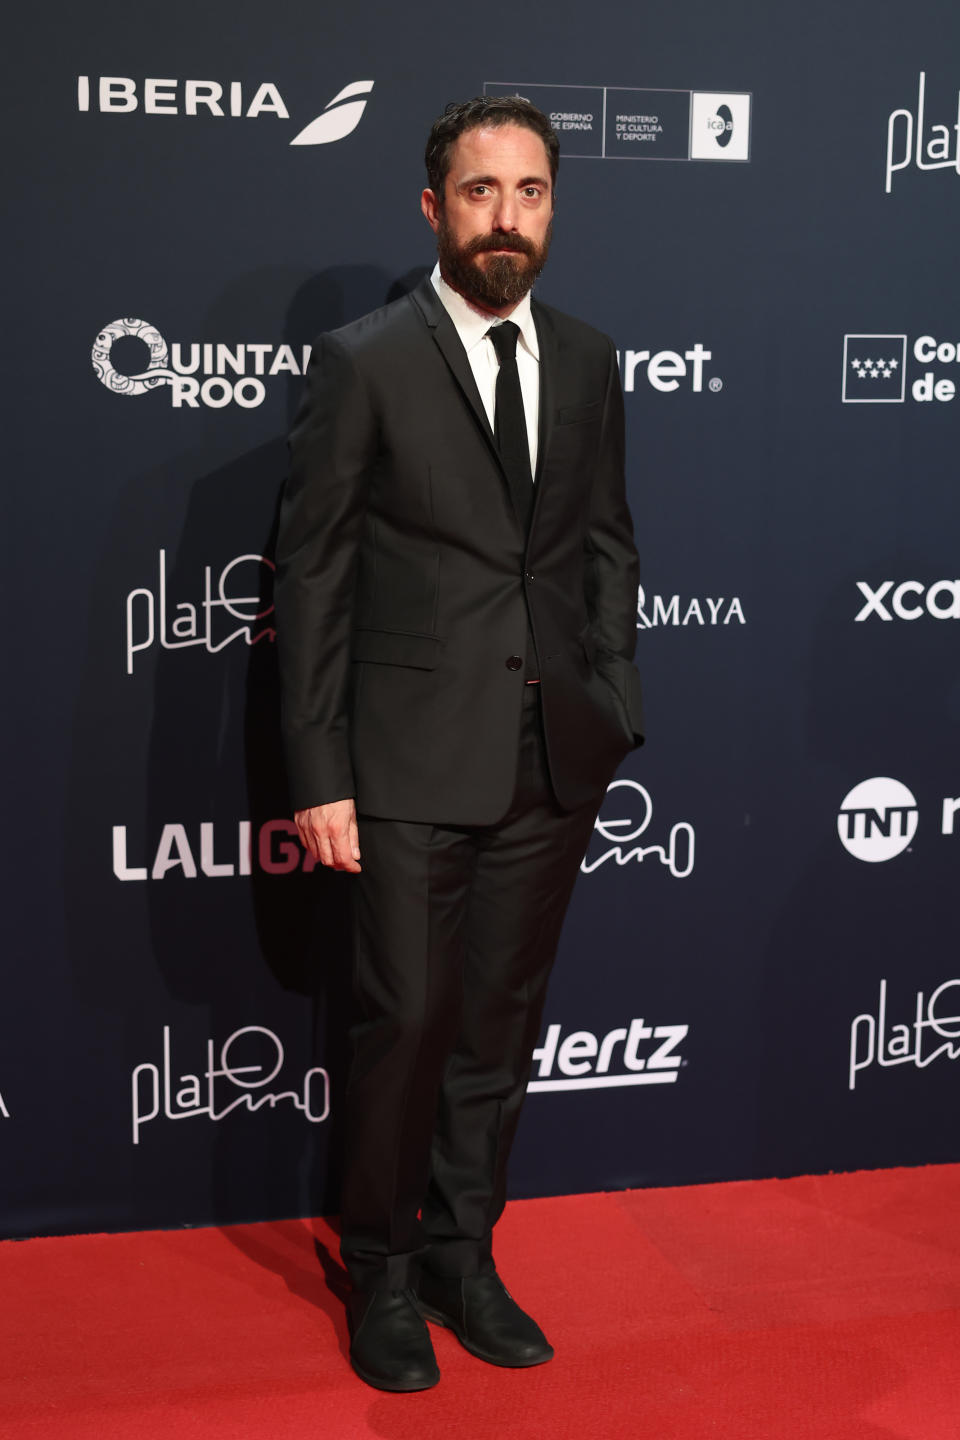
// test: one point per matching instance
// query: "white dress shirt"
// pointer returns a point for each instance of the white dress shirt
(472, 326)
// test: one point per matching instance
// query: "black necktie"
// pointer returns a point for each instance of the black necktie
(510, 425)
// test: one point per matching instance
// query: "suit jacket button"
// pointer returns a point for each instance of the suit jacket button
(514, 662)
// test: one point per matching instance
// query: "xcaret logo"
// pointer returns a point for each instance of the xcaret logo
(585, 1061)
(231, 374)
(120, 95)
(877, 819)
(624, 816)
(249, 1060)
(663, 370)
(875, 369)
(909, 600)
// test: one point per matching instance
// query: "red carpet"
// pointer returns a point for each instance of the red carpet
(810, 1309)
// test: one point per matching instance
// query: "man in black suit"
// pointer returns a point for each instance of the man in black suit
(456, 606)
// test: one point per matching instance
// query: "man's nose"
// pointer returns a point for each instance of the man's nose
(506, 214)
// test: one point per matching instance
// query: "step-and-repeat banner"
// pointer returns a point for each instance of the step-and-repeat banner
(760, 206)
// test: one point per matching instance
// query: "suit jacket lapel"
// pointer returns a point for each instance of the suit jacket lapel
(445, 334)
(549, 364)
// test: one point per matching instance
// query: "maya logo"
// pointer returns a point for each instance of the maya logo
(589, 1062)
(231, 374)
(632, 811)
(877, 819)
(120, 95)
(711, 610)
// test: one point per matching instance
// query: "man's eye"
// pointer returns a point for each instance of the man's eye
(479, 189)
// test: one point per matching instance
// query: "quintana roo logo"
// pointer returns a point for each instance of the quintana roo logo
(156, 372)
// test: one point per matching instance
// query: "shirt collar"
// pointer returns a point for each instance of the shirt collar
(472, 325)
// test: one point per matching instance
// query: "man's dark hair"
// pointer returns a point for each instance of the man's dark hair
(493, 110)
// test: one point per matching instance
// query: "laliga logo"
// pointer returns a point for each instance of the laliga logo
(216, 390)
(721, 125)
(877, 820)
(677, 855)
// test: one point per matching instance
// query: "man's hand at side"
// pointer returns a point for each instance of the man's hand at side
(329, 832)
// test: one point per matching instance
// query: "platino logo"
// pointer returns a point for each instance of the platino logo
(878, 819)
(869, 1042)
(875, 369)
(709, 610)
(118, 95)
(936, 148)
(627, 796)
(152, 616)
(171, 366)
(588, 1062)
(251, 1058)
(910, 600)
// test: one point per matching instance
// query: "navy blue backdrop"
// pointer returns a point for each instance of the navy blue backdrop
(759, 204)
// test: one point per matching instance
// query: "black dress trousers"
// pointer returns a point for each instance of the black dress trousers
(455, 935)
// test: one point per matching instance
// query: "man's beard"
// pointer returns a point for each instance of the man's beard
(504, 279)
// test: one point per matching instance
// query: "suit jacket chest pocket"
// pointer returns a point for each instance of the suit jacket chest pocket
(580, 413)
(576, 432)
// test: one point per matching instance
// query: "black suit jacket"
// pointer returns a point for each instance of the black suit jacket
(404, 576)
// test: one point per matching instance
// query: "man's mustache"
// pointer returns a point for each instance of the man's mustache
(481, 243)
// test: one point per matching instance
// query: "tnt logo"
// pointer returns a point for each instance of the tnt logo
(874, 369)
(877, 820)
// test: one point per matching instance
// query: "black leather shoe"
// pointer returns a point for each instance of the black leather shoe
(390, 1346)
(484, 1317)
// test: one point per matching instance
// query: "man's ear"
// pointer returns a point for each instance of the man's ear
(430, 206)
